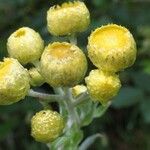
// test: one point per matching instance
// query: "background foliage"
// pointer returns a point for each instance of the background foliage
(126, 125)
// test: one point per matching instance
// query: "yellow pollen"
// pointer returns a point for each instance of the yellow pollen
(60, 51)
(111, 37)
(20, 33)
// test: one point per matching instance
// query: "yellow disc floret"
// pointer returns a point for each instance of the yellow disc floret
(14, 81)
(63, 64)
(46, 126)
(102, 86)
(35, 77)
(68, 18)
(112, 48)
(25, 44)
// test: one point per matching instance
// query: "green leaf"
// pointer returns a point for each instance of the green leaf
(91, 139)
(89, 110)
(100, 110)
(85, 112)
(127, 97)
(69, 141)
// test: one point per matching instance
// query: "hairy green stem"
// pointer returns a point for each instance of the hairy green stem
(62, 108)
(67, 108)
(45, 97)
(89, 141)
(80, 99)
(59, 91)
(73, 118)
(68, 111)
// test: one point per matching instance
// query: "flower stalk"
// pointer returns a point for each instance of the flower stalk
(45, 97)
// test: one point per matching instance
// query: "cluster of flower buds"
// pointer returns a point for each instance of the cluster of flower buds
(111, 48)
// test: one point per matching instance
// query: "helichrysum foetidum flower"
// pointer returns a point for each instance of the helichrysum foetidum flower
(35, 77)
(63, 64)
(112, 48)
(102, 86)
(14, 81)
(26, 45)
(46, 126)
(68, 18)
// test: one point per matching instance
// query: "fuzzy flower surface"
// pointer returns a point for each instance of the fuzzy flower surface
(25, 45)
(102, 86)
(63, 64)
(69, 18)
(46, 126)
(14, 81)
(112, 48)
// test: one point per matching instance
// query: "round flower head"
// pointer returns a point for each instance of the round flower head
(63, 64)
(68, 18)
(101, 86)
(25, 44)
(14, 81)
(112, 48)
(35, 77)
(46, 126)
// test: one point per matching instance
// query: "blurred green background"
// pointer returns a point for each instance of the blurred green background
(127, 122)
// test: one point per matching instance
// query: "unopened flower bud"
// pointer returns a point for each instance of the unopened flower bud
(14, 81)
(46, 126)
(78, 89)
(63, 64)
(102, 86)
(25, 45)
(35, 77)
(68, 18)
(112, 48)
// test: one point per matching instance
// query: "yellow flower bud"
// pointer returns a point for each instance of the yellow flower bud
(25, 44)
(46, 126)
(68, 18)
(63, 64)
(112, 48)
(35, 77)
(78, 89)
(14, 81)
(102, 86)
